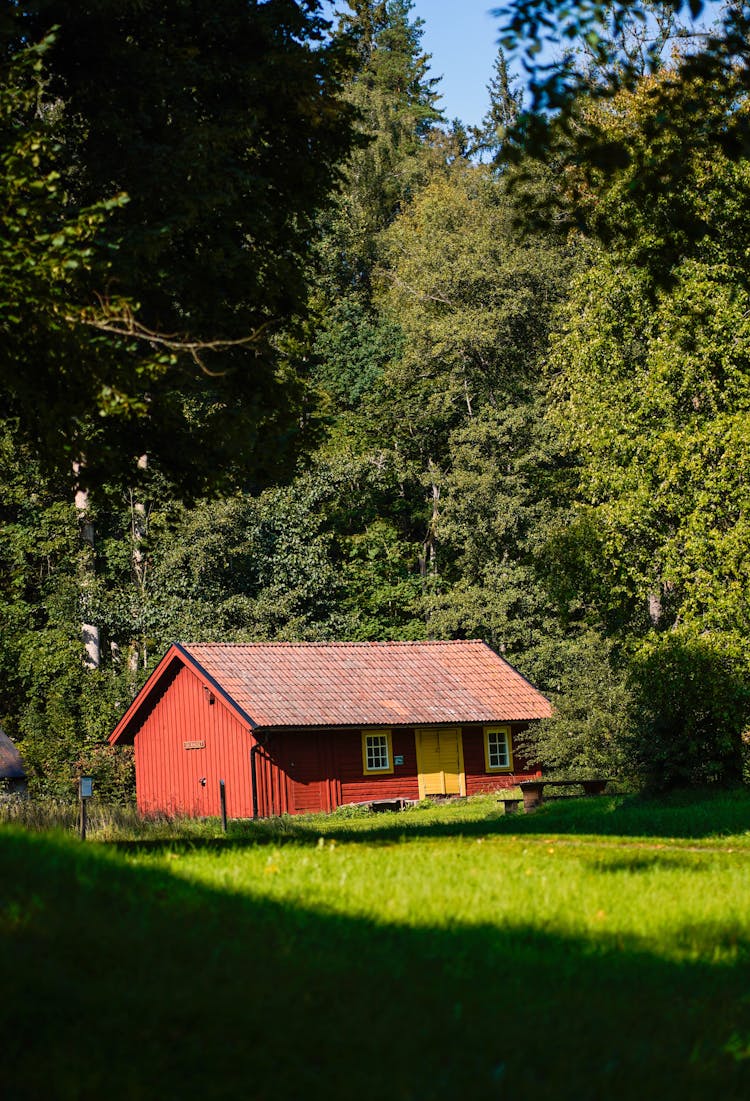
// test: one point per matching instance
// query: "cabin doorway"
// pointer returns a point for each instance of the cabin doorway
(311, 775)
(440, 761)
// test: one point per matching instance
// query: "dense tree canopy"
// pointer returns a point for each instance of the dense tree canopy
(245, 257)
(209, 134)
(599, 49)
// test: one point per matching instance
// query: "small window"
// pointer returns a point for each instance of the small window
(497, 752)
(376, 751)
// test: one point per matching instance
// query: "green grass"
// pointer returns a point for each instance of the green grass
(597, 949)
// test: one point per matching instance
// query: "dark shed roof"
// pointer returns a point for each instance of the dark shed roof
(11, 762)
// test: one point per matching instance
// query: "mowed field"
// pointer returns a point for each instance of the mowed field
(597, 949)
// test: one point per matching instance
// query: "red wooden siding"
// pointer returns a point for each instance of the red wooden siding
(168, 775)
(271, 780)
(478, 780)
(358, 788)
(306, 758)
(302, 771)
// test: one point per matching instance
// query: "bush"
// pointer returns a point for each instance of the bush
(689, 709)
(585, 734)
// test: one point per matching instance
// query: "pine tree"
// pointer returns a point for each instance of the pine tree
(505, 105)
(396, 99)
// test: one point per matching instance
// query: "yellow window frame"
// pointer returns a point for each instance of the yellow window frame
(500, 729)
(389, 746)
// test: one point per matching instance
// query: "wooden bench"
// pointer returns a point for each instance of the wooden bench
(510, 806)
(388, 804)
(533, 790)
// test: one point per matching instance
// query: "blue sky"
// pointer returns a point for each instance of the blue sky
(462, 37)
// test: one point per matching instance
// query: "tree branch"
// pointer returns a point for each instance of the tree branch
(121, 321)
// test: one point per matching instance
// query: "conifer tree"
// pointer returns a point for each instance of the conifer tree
(396, 100)
(505, 105)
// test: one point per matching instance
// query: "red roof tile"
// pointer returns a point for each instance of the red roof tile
(368, 683)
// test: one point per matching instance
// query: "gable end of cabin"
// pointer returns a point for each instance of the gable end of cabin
(187, 738)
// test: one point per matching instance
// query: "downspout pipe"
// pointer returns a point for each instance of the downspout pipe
(254, 776)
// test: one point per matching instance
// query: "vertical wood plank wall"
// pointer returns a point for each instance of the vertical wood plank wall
(301, 771)
(168, 776)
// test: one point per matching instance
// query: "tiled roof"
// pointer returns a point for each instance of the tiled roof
(368, 683)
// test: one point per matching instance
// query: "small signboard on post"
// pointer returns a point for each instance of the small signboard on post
(85, 792)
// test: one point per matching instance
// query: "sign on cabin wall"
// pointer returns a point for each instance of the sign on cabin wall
(193, 745)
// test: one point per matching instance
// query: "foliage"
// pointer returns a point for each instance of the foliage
(353, 346)
(607, 30)
(468, 295)
(394, 97)
(178, 291)
(50, 252)
(461, 404)
(658, 207)
(395, 100)
(691, 707)
(587, 734)
(502, 113)
(691, 105)
(650, 389)
(652, 395)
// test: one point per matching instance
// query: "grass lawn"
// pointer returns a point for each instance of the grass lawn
(597, 949)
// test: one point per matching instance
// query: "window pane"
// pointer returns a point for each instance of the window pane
(497, 744)
(377, 752)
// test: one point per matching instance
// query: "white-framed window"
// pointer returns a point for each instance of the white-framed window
(497, 749)
(377, 754)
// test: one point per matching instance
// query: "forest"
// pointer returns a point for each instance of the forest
(287, 354)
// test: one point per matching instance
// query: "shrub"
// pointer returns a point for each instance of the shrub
(584, 736)
(689, 708)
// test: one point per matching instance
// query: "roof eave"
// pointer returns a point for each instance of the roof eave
(404, 724)
(121, 733)
(215, 686)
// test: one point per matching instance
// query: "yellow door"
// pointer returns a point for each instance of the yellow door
(440, 761)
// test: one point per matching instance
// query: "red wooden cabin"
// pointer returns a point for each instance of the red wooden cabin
(293, 727)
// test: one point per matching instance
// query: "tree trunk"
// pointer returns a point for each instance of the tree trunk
(92, 653)
(139, 527)
(428, 557)
(654, 608)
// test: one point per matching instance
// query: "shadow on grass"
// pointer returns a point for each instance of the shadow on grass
(683, 815)
(123, 982)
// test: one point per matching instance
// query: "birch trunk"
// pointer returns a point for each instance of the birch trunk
(428, 557)
(654, 608)
(139, 527)
(90, 635)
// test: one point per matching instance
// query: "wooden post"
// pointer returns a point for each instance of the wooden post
(82, 819)
(223, 798)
